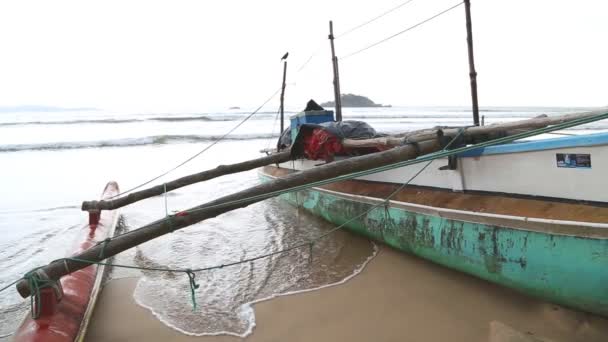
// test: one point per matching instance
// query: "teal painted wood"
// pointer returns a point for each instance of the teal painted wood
(569, 270)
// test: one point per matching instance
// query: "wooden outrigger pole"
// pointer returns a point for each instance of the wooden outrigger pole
(55, 270)
(222, 170)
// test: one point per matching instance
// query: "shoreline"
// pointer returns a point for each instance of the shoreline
(252, 304)
(419, 302)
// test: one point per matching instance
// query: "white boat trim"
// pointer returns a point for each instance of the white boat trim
(101, 273)
(449, 213)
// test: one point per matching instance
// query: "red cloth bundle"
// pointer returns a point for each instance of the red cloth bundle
(322, 145)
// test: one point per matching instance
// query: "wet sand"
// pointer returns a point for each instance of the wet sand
(397, 297)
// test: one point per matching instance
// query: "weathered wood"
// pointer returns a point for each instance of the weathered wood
(471, 133)
(283, 98)
(221, 170)
(472, 72)
(57, 269)
(334, 62)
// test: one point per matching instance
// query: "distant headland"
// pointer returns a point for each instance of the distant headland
(352, 100)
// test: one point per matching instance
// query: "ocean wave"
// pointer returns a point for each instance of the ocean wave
(69, 122)
(40, 210)
(170, 118)
(127, 142)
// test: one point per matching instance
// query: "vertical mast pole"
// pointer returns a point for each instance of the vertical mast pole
(334, 59)
(472, 72)
(283, 97)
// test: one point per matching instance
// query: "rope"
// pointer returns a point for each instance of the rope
(402, 32)
(193, 287)
(315, 52)
(554, 133)
(36, 284)
(372, 20)
(202, 151)
(274, 124)
(10, 285)
(103, 244)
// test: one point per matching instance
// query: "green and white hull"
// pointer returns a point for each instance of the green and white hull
(552, 249)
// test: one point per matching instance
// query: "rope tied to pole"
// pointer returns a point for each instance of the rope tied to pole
(37, 281)
(171, 223)
(193, 286)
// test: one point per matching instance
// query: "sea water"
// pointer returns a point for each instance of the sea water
(52, 159)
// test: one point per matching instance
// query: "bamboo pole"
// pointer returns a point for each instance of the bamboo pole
(221, 170)
(334, 61)
(55, 270)
(471, 133)
(472, 72)
(283, 97)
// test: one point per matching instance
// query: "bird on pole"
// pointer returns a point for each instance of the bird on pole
(285, 56)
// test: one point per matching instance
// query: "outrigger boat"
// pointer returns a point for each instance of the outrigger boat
(532, 216)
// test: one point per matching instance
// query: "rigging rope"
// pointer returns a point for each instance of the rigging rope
(316, 51)
(274, 123)
(403, 31)
(372, 20)
(202, 151)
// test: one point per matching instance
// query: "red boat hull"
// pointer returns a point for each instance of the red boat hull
(66, 319)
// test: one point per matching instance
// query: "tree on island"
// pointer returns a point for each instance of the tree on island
(352, 100)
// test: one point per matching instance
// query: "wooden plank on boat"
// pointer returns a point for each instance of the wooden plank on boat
(67, 319)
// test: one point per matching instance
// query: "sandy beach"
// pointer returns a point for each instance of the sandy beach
(397, 297)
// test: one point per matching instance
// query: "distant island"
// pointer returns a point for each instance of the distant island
(352, 100)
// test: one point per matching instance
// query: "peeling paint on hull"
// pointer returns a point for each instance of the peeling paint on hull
(565, 269)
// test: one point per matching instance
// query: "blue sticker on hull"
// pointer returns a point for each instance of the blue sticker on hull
(573, 160)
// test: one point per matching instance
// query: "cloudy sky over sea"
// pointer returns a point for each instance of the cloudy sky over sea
(188, 55)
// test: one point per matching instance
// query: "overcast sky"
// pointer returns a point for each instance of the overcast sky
(198, 55)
